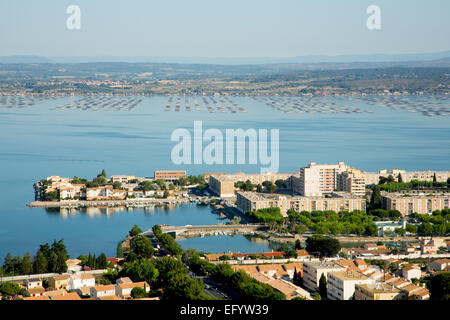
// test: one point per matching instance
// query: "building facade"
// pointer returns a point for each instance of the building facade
(422, 203)
(341, 284)
(169, 175)
(313, 270)
(251, 201)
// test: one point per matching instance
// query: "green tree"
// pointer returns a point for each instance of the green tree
(425, 229)
(181, 288)
(101, 262)
(119, 250)
(135, 231)
(40, 264)
(323, 286)
(142, 247)
(10, 289)
(140, 270)
(323, 246)
(138, 292)
(399, 178)
(411, 228)
(375, 198)
(439, 287)
(27, 264)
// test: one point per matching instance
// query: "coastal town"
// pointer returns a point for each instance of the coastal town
(341, 233)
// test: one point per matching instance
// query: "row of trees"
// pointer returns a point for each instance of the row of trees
(240, 281)
(93, 262)
(167, 241)
(266, 215)
(167, 273)
(267, 186)
(331, 222)
(48, 259)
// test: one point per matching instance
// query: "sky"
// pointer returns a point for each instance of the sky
(222, 28)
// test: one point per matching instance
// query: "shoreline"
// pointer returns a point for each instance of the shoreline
(109, 203)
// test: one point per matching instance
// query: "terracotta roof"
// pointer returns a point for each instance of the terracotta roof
(293, 266)
(273, 254)
(124, 280)
(107, 287)
(37, 298)
(61, 277)
(302, 252)
(35, 290)
(410, 288)
(283, 287)
(109, 298)
(134, 284)
(251, 269)
(260, 277)
(422, 292)
(66, 296)
(85, 276)
(442, 261)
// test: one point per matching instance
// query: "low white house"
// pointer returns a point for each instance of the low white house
(32, 283)
(410, 272)
(123, 290)
(439, 265)
(78, 281)
(103, 291)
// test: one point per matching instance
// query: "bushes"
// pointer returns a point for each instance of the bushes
(266, 215)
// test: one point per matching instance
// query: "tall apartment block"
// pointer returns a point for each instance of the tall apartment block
(316, 179)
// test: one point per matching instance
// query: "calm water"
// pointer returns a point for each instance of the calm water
(36, 142)
(222, 244)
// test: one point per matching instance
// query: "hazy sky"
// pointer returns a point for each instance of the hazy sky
(222, 28)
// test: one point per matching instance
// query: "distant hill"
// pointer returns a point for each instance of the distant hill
(438, 58)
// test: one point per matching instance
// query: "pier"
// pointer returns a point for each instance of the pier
(190, 231)
(107, 203)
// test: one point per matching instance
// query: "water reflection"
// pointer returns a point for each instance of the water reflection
(67, 212)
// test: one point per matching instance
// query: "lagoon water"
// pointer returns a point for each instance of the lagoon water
(37, 141)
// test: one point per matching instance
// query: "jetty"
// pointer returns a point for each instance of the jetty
(107, 203)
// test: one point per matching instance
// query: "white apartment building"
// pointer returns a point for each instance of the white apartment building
(78, 281)
(341, 284)
(316, 179)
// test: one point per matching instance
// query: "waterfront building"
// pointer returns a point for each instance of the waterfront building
(223, 184)
(71, 191)
(337, 201)
(425, 175)
(122, 178)
(99, 193)
(378, 291)
(316, 179)
(422, 202)
(341, 284)
(169, 175)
